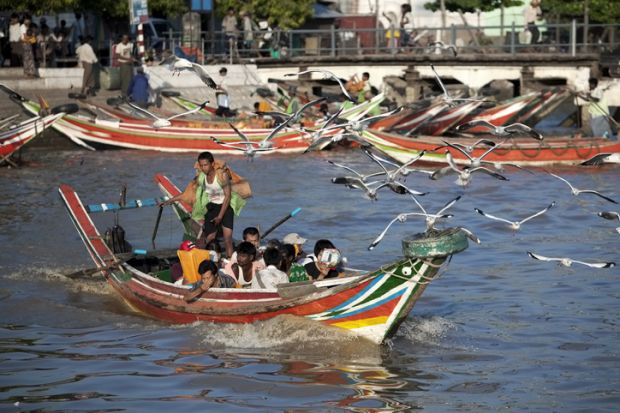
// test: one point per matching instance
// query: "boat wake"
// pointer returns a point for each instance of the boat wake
(426, 331)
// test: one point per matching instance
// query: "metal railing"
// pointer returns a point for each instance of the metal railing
(571, 38)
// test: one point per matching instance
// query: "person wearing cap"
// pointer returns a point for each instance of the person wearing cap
(210, 277)
(138, 90)
(297, 241)
(325, 261)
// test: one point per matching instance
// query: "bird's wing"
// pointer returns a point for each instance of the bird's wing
(484, 141)
(597, 264)
(551, 205)
(308, 105)
(382, 115)
(542, 258)
(345, 167)
(375, 160)
(448, 205)
(492, 216)
(189, 112)
(143, 110)
(459, 148)
(473, 123)
(169, 60)
(590, 191)
(318, 143)
(440, 173)
(597, 159)
(445, 92)
(470, 235)
(409, 163)
(488, 151)
(564, 180)
(241, 134)
(520, 127)
(609, 215)
(382, 234)
(204, 76)
(489, 172)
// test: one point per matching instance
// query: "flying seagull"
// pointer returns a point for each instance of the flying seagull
(446, 96)
(602, 158)
(327, 74)
(576, 191)
(501, 131)
(430, 219)
(464, 175)
(610, 215)
(164, 122)
(567, 262)
(179, 64)
(439, 46)
(515, 225)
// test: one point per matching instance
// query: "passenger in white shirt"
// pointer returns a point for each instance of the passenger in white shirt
(270, 276)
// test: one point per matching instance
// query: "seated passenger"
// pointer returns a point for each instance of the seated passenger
(324, 262)
(252, 235)
(246, 266)
(296, 272)
(209, 277)
(297, 241)
(270, 276)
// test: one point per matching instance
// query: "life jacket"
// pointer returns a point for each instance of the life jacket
(190, 260)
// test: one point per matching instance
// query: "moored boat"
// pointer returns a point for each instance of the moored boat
(520, 151)
(371, 304)
(15, 138)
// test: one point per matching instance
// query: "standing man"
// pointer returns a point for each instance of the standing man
(15, 40)
(532, 13)
(123, 52)
(214, 190)
(229, 27)
(222, 96)
(86, 57)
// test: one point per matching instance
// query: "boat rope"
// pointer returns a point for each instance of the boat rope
(590, 150)
(424, 279)
(525, 153)
(560, 152)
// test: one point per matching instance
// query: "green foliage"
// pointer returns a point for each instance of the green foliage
(599, 11)
(472, 6)
(107, 8)
(285, 14)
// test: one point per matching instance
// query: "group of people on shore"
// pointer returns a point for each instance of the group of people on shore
(32, 45)
(214, 205)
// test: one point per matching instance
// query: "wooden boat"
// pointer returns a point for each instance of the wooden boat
(447, 118)
(371, 305)
(520, 151)
(112, 131)
(503, 113)
(15, 138)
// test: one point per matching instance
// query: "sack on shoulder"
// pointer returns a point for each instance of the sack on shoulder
(239, 184)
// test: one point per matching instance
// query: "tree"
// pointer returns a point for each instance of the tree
(285, 14)
(106, 8)
(472, 6)
(598, 11)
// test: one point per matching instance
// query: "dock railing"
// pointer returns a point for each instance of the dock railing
(570, 38)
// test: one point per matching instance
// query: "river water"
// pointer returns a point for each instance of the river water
(497, 331)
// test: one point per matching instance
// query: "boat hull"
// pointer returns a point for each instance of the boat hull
(519, 151)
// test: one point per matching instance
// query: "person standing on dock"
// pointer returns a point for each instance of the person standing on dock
(123, 53)
(531, 13)
(87, 58)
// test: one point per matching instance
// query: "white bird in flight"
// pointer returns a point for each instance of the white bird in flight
(567, 262)
(447, 98)
(576, 191)
(501, 131)
(430, 219)
(515, 225)
(439, 46)
(464, 175)
(179, 64)
(327, 74)
(165, 122)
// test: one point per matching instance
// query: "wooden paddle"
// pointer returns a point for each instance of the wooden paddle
(280, 222)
